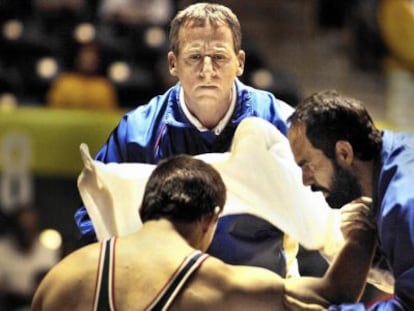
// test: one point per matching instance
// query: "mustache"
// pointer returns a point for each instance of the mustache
(316, 188)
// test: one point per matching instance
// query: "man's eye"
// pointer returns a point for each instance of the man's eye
(195, 57)
(307, 167)
(219, 57)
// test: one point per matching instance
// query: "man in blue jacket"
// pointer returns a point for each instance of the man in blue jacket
(343, 154)
(200, 115)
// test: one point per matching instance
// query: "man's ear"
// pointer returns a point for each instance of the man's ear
(210, 219)
(344, 152)
(216, 213)
(172, 61)
(241, 58)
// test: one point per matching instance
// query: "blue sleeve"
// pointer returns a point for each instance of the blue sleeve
(276, 111)
(284, 111)
(264, 104)
(396, 223)
(115, 148)
(84, 224)
(394, 304)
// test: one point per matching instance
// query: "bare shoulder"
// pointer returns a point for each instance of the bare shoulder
(219, 286)
(70, 282)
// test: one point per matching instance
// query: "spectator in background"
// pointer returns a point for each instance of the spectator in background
(84, 87)
(23, 260)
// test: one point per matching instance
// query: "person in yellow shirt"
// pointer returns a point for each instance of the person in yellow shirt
(84, 87)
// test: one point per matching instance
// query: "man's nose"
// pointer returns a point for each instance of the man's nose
(207, 66)
(307, 178)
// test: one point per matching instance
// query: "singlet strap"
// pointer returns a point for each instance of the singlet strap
(104, 285)
(190, 264)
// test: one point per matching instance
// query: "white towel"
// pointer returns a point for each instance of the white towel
(261, 179)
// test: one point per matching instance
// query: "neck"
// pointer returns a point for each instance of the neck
(367, 175)
(191, 233)
(183, 233)
(208, 119)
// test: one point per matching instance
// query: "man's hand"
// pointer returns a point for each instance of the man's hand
(293, 304)
(357, 215)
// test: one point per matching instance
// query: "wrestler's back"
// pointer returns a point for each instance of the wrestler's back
(144, 263)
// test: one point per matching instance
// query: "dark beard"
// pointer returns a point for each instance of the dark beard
(345, 187)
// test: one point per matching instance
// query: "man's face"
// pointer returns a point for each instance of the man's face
(345, 187)
(338, 185)
(206, 66)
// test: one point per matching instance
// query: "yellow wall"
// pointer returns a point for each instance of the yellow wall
(47, 140)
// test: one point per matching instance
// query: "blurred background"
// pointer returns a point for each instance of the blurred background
(113, 53)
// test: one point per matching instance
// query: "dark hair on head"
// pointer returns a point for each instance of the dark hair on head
(200, 14)
(329, 116)
(182, 189)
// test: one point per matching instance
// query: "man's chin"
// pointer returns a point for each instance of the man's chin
(209, 100)
(333, 203)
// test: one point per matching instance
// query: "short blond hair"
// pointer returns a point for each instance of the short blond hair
(199, 14)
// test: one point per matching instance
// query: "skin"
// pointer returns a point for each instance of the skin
(70, 285)
(215, 286)
(207, 66)
(345, 279)
(318, 171)
(323, 174)
(316, 168)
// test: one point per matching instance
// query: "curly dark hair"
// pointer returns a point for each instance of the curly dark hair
(329, 116)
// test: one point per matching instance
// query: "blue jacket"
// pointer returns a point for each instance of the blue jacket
(395, 220)
(160, 129)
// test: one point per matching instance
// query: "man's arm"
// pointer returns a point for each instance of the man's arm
(378, 275)
(345, 279)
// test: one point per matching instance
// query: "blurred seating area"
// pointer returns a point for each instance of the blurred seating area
(38, 41)
(39, 38)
